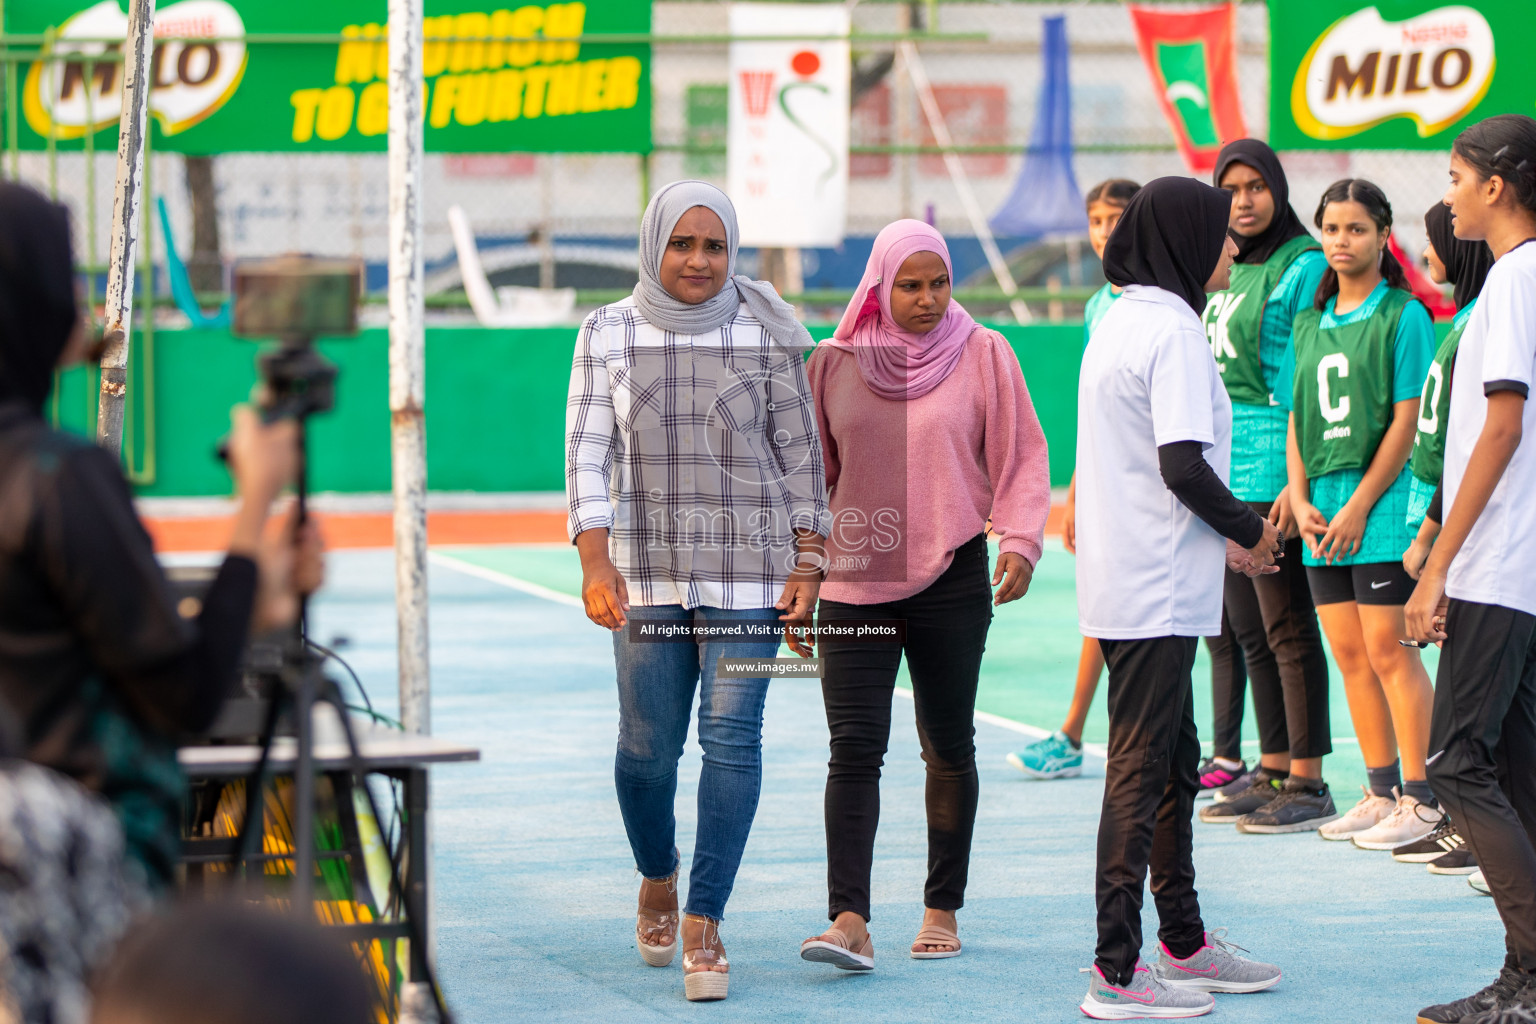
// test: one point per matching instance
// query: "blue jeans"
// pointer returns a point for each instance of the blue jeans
(656, 684)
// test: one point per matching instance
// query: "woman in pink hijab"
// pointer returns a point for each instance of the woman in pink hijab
(928, 434)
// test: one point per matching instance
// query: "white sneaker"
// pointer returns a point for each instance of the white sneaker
(1478, 882)
(1409, 822)
(1363, 815)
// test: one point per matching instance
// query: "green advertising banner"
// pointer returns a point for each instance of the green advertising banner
(285, 75)
(1396, 74)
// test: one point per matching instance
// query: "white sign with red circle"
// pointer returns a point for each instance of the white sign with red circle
(787, 149)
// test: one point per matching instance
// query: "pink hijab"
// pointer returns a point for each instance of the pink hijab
(894, 362)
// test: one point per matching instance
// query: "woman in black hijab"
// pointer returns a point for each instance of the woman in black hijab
(1463, 264)
(95, 662)
(1153, 418)
(1269, 631)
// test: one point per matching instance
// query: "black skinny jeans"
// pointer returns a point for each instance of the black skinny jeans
(946, 632)
(1150, 782)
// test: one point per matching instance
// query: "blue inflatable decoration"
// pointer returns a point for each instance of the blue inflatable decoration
(1046, 200)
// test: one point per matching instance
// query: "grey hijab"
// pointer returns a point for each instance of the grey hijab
(662, 310)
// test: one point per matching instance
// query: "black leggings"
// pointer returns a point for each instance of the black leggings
(946, 632)
(1269, 634)
(1229, 689)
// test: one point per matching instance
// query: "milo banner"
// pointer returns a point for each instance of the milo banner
(1394, 74)
(240, 76)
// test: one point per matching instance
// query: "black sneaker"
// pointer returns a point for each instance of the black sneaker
(1264, 788)
(1236, 787)
(1505, 988)
(1432, 847)
(1295, 809)
(1519, 1010)
(1459, 861)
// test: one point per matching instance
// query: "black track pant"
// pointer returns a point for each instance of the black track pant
(1482, 756)
(1273, 621)
(1150, 783)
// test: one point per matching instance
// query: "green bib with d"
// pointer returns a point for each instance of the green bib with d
(1343, 388)
(1435, 405)
(1233, 319)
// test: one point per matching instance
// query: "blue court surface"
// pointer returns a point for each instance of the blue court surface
(534, 887)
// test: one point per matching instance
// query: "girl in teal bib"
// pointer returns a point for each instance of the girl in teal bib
(1360, 357)
(1060, 755)
(1269, 626)
(1465, 265)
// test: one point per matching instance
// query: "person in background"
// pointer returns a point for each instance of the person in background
(1156, 522)
(1270, 618)
(68, 896)
(923, 413)
(102, 673)
(1060, 755)
(697, 498)
(228, 964)
(1464, 265)
(1360, 357)
(1476, 594)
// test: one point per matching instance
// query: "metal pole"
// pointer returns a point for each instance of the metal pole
(962, 181)
(132, 128)
(407, 362)
(407, 397)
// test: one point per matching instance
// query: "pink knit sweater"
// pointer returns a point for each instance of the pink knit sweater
(911, 481)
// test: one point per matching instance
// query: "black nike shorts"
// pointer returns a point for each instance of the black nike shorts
(1384, 583)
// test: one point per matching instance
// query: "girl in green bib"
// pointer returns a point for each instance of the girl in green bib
(1269, 624)
(1464, 265)
(1060, 755)
(1360, 356)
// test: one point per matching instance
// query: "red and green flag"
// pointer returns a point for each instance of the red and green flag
(1192, 58)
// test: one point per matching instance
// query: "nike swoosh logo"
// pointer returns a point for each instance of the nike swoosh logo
(1378, 586)
(1431, 760)
(1147, 996)
(1208, 971)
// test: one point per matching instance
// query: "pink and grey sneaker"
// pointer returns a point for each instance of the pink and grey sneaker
(1145, 996)
(1214, 776)
(1215, 967)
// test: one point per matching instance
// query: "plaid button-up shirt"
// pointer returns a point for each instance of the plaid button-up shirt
(699, 453)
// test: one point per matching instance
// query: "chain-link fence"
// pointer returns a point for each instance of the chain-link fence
(570, 219)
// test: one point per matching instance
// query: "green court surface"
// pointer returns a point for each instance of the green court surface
(1031, 660)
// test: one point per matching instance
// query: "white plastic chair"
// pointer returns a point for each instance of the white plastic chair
(508, 305)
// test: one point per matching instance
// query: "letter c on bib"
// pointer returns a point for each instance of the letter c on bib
(1339, 362)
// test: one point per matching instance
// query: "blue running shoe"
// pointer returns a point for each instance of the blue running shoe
(1051, 758)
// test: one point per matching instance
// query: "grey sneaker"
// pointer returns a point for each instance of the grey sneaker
(1215, 967)
(1145, 996)
(1263, 788)
(1295, 809)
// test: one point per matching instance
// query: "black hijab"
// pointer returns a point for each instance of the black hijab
(1284, 225)
(1170, 237)
(37, 293)
(1466, 263)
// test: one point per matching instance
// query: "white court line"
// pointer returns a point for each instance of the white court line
(1012, 725)
(511, 582)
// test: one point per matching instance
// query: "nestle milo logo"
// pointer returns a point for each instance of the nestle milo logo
(197, 63)
(1364, 71)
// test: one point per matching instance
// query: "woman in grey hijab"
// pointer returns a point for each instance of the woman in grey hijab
(697, 498)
